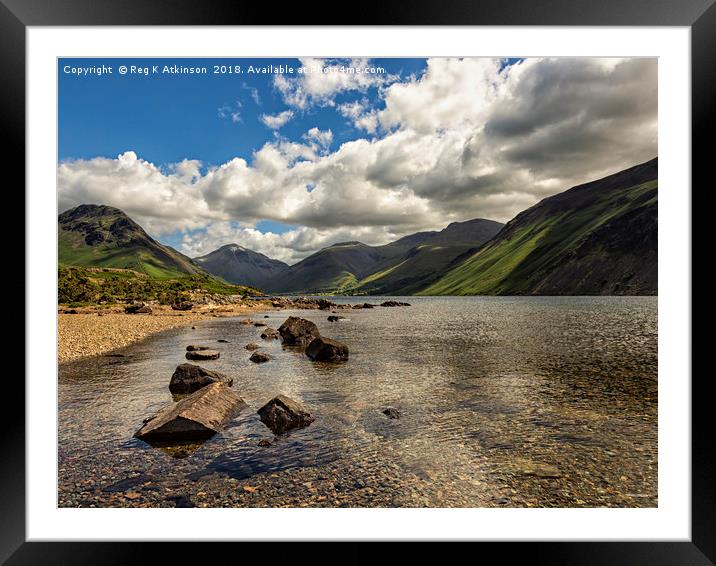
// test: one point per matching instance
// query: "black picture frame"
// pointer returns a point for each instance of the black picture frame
(699, 15)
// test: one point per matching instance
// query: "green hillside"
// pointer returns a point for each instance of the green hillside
(103, 236)
(594, 239)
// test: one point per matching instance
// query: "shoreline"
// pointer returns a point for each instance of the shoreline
(93, 331)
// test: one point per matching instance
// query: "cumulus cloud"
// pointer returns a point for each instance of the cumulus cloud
(319, 140)
(468, 138)
(323, 79)
(276, 121)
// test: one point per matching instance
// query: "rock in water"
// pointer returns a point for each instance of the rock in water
(283, 413)
(187, 378)
(391, 413)
(326, 350)
(394, 304)
(259, 324)
(259, 357)
(334, 318)
(202, 355)
(195, 348)
(201, 415)
(298, 331)
(252, 346)
(270, 334)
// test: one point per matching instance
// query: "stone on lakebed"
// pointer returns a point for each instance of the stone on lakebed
(298, 331)
(202, 355)
(327, 350)
(201, 415)
(189, 377)
(283, 413)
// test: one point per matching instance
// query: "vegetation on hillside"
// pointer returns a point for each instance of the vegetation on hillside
(82, 286)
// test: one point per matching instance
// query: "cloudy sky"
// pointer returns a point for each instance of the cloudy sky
(288, 163)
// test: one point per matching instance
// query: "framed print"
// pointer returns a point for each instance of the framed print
(403, 280)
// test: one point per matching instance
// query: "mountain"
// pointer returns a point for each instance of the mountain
(400, 267)
(92, 235)
(599, 238)
(239, 265)
(335, 268)
(421, 264)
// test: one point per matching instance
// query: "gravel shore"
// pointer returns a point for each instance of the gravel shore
(93, 331)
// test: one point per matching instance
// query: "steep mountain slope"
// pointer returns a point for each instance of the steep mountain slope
(423, 263)
(396, 268)
(103, 236)
(236, 264)
(599, 238)
(330, 269)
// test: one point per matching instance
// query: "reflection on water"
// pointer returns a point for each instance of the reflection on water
(553, 400)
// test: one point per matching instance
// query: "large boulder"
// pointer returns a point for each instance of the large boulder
(202, 355)
(201, 415)
(326, 350)
(298, 331)
(283, 413)
(187, 378)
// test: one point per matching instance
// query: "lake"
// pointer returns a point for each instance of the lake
(504, 401)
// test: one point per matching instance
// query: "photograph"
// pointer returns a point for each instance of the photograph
(330, 282)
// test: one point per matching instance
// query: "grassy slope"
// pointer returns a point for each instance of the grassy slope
(73, 251)
(515, 264)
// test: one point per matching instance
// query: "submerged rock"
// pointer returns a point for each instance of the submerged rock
(297, 331)
(394, 304)
(195, 348)
(334, 318)
(282, 413)
(189, 377)
(202, 355)
(391, 413)
(201, 415)
(259, 357)
(270, 334)
(259, 324)
(223, 341)
(252, 346)
(327, 350)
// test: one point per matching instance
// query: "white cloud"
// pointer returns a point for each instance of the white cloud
(325, 78)
(230, 112)
(276, 121)
(464, 140)
(319, 140)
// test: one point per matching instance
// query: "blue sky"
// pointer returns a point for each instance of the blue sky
(167, 118)
(289, 163)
